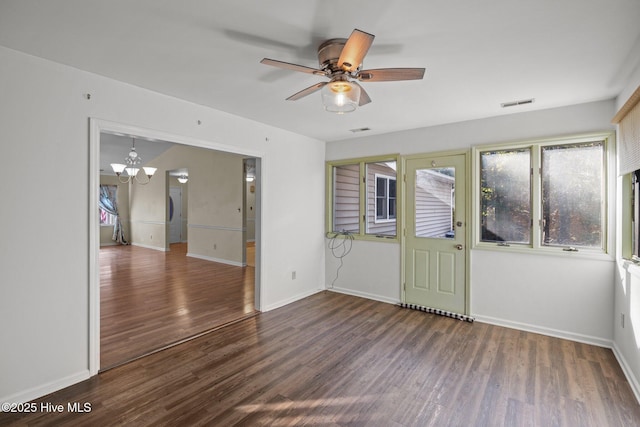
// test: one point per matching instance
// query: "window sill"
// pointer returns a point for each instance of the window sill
(366, 237)
(547, 251)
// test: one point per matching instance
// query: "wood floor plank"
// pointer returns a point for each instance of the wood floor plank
(150, 299)
(337, 360)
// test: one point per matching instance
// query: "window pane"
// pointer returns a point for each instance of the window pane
(381, 187)
(381, 211)
(346, 199)
(434, 202)
(505, 193)
(572, 194)
(381, 179)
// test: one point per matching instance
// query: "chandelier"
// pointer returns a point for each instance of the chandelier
(131, 167)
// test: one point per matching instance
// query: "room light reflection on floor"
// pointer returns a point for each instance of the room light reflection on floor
(304, 404)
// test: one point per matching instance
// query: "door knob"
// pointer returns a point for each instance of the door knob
(459, 247)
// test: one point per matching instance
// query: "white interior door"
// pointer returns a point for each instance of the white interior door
(175, 214)
(435, 242)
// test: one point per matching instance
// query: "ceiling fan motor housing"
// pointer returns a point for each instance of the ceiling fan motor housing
(329, 53)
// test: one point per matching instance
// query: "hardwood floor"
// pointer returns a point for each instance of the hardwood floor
(150, 299)
(251, 254)
(337, 360)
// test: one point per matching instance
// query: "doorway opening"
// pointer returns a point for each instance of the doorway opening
(184, 269)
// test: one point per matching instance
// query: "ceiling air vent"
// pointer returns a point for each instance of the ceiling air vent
(359, 130)
(514, 103)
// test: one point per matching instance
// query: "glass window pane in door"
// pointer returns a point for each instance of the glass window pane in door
(435, 203)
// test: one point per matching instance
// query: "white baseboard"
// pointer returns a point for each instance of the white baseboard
(364, 295)
(290, 300)
(44, 389)
(155, 248)
(633, 381)
(221, 261)
(586, 339)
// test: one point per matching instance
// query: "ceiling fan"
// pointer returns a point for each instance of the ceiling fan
(341, 61)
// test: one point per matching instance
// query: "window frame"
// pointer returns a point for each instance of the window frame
(535, 245)
(387, 179)
(362, 164)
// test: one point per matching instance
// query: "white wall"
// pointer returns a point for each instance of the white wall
(44, 123)
(572, 298)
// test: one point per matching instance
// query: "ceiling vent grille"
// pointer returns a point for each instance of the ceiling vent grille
(514, 103)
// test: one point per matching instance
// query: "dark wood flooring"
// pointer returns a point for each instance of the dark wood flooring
(338, 360)
(150, 299)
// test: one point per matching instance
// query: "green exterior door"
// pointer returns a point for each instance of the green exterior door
(435, 244)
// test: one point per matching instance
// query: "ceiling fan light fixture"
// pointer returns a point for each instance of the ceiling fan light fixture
(340, 96)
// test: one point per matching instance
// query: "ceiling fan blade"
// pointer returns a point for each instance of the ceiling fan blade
(364, 96)
(292, 67)
(391, 74)
(308, 91)
(354, 50)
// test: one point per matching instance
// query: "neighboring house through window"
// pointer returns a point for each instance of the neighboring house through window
(363, 197)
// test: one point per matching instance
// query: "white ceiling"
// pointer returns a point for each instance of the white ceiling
(476, 54)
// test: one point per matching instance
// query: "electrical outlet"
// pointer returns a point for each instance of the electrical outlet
(215, 246)
(293, 275)
(622, 320)
(150, 236)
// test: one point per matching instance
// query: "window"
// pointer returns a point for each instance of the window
(106, 218)
(362, 197)
(505, 185)
(549, 194)
(346, 201)
(573, 195)
(385, 198)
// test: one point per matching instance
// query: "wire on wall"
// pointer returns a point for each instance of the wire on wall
(340, 243)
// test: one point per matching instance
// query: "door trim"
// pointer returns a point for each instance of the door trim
(467, 219)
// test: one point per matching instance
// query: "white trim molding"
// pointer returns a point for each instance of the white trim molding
(364, 295)
(586, 339)
(220, 260)
(44, 389)
(216, 227)
(628, 372)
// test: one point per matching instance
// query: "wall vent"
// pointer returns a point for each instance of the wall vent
(359, 130)
(514, 103)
